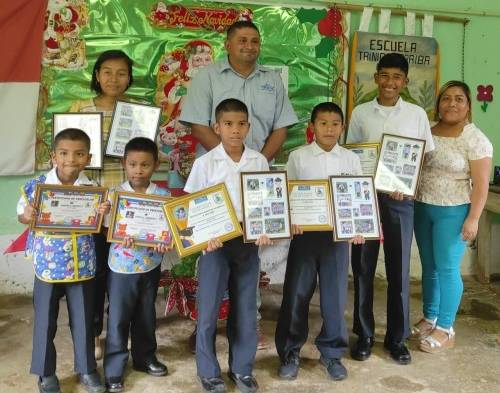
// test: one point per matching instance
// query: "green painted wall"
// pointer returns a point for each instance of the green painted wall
(482, 66)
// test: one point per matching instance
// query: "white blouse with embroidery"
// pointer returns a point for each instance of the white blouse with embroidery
(445, 178)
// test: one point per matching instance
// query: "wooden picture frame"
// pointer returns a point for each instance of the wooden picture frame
(265, 205)
(355, 207)
(399, 164)
(131, 120)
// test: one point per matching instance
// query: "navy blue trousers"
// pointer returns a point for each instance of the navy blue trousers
(397, 223)
(80, 303)
(234, 266)
(313, 255)
(100, 281)
(131, 309)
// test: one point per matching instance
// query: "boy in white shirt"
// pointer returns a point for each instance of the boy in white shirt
(315, 254)
(387, 113)
(234, 264)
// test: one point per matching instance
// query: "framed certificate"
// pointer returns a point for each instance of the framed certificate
(141, 217)
(355, 207)
(310, 204)
(198, 217)
(368, 155)
(265, 205)
(131, 120)
(90, 123)
(399, 164)
(68, 208)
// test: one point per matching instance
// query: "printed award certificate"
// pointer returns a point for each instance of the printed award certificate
(90, 123)
(368, 155)
(265, 205)
(68, 208)
(141, 217)
(198, 217)
(310, 204)
(355, 207)
(399, 164)
(131, 120)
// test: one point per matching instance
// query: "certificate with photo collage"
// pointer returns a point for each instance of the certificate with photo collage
(355, 207)
(399, 164)
(265, 205)
(131, 120)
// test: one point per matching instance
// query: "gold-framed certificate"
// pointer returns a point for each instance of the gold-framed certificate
(131, 120)
(198, 217)
(265, 205)
(141, 217)
(90, 123)
(355, 207)
(399, 164)
(310, 204)
(61, 208)
(368, 155)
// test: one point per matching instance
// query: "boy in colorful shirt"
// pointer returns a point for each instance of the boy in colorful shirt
(133, 281)
(64, 266)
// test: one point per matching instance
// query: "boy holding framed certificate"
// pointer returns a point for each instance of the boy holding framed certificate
(234, 264)
(387, 113)
(133, 279)
(65, 265)
(314, 254)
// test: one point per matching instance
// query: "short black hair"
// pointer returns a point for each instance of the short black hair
(141, 144)
(105, 56)
(326, 107)
(241, 24)
(230, 105)
(72, 134)
(393, 60)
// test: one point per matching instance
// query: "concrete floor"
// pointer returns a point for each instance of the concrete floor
(473, 366)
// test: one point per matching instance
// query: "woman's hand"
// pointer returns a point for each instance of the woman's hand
(104, 208)
(469, 229)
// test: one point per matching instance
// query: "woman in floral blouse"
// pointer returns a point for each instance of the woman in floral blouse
(452, 193)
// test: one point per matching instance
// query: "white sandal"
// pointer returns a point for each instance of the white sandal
(422, 329)
(438, 340)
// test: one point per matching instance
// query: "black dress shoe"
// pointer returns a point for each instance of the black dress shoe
(49, 384)
(362, 349)
(213, 385)
(244, 383)
(114, 384)
(92, 382)
(399, 352)
(290, 368)
(154, 368)
(335, 368)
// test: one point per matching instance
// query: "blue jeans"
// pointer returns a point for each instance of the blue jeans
(438, 230)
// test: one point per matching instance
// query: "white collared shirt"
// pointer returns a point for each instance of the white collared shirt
(311, 162)
(51, 178)
(217, 167)
(370, 120)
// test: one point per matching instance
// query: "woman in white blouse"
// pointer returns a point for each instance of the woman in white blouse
(452, 193)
